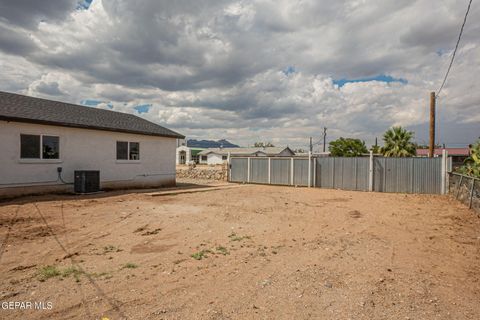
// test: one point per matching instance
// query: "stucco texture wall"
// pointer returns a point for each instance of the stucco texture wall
(82, 149)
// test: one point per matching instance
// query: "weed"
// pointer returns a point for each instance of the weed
(48, 272)
(110, 248)
(234, 237)
(200, 254)
(129, 266)
(222, 250)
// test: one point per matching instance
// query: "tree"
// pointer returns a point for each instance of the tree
(263, 144)
(398, 143)
(472, 163)
(347, 147)
(376, 149)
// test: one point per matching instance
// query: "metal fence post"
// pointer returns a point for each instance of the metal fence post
(443, 171)
(309, 168)
(248, 169)
(370, 172)
(269, 170)
(314, 172)
(458, 187)
(471, 194)
(292, 168)
(229, 169)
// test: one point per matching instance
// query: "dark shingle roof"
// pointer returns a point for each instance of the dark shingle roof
(20, 108)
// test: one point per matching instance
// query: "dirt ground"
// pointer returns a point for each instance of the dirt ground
(250, 252)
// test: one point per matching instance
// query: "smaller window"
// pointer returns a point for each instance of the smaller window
(134, 153)
(128, 150)
(29, 146)
(50, 147)
(204, 158)
(224, 157)
(122, 150)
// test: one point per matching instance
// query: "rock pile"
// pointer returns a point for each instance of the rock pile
(203, 173)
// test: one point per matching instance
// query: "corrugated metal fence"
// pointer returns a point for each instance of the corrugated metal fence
(405, 175)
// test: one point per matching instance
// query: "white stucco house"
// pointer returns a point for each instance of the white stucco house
(186, 155)
(214, 156)
(43, 142)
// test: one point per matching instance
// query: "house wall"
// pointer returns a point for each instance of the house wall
(214, 158)
(188, 154)
(82, 149)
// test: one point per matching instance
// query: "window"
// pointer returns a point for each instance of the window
(224, 157)
(122, 150)
(39, 147)
(29, 146)
(50, 147)
(128, 150)
(134, 153)
(204, 158)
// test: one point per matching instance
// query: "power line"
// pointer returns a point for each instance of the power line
(456, 47)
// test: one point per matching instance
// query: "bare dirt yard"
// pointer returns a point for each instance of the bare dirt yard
(248, 252)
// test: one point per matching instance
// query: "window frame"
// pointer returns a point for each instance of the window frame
(40, 158)
(128, 160)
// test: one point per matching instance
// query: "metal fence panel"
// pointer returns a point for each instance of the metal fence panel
(427, 175)
(362, 174)
(342, 173)
(238, 169)
(324, 172)
(259, 170)
(408, 175)
(280, 171)
(404, 175)
(300, 172)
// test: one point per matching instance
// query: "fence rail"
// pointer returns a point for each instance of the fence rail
(404, 175)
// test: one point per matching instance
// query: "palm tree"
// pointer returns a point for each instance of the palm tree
(398, 143)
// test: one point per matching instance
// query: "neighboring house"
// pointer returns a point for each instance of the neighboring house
(43, 142)
(458, 154)
(186, 155)
(220, 155)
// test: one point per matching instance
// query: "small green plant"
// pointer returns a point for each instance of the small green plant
(222, 250)
(74, 271)
(110, 248)
(48, 272)
(129, 266)
(472, 163)
(234, 237)
(200, 254)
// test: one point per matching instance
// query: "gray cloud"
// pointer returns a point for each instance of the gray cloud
(213, 69)
(28, 13)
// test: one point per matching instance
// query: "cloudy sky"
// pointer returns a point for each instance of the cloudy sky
(252, 70)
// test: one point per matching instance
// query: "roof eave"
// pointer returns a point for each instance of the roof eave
(73, 125)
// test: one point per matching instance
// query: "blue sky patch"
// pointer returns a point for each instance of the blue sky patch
(289, 70)
(381, 78)
(143, 108)
(84, 4)
(90, 102)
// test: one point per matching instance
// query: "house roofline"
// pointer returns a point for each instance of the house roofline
(88, 127)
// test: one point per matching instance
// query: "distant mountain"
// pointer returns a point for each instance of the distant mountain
(192, 143)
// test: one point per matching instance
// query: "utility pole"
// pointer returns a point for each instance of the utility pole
(431, 149)
(324, 137)
(311, 145)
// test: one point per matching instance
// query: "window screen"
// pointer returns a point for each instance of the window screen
(29, 146)
(134, 151)
(122, 150)
(50, 147)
